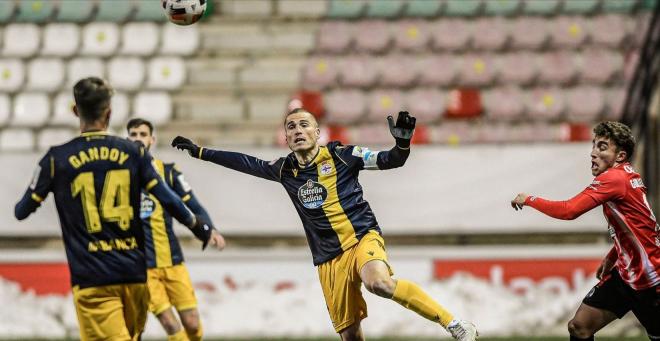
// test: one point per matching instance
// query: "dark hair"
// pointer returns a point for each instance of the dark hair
(92, 95)
(136, 122)
(618, 133)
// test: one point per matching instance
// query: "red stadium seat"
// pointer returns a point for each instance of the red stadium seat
(358, 71)
(519, 68)
(334, 36)
(344, 106)
(320, 72)
(372, 35)
(575, 132)
(422, 135)
(463, 103)
(411, 35)
(311, 101)
(397, 70)
(427, 104)
(490, 33)
(382, 103)
(584, 103)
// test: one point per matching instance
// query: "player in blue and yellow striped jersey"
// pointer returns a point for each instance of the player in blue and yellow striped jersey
(342, 231)
(96, 180)
(167, 277)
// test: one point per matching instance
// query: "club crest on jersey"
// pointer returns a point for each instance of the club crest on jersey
(312, 194)
(325, 168)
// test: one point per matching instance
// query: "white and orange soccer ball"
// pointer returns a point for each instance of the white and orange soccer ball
(184, 12)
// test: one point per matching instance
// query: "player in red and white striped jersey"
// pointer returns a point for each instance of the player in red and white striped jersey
(630, 273)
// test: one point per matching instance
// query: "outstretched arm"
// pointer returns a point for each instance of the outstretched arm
(402, 132)
(38, 190)
(565, 210)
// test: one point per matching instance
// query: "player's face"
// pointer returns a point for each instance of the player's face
(604, 155)
(141, 133)
(302, 132)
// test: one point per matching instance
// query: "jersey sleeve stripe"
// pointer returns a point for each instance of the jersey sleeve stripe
(152, 184)
(36, 197)
(185, 198)
(199, 156)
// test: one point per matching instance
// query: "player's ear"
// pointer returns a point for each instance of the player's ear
(621, 156)
(75, 110)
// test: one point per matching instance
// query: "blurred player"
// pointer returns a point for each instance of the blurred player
(96, 179)
(630, 273)
(167, 277)
(342, 231)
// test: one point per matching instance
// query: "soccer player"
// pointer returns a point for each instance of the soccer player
(96, 179)
(167, 277)
(342, 231)
(630, 273)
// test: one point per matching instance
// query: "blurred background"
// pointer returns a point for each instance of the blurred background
(505, 92)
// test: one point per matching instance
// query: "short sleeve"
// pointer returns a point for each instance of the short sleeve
(606, 187)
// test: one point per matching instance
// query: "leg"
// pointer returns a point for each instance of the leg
(587, 321)
(159, 304)
(100, 313)
(352, 333)
(191, 323)
(169, 321)
(182, 295)
(136, 308)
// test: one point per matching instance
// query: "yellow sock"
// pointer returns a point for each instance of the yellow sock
(412, 297)
(197, 336)
(179, 336)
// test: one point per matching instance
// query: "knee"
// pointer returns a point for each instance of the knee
(383, 287)
(171, 326)
(579, 330)
(191, 323)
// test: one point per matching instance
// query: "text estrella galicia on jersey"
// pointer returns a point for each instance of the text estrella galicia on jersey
(312, 194)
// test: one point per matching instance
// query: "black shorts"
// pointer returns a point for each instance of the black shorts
(615, 295)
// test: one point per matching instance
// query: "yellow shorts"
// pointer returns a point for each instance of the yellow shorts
(111, 312)
(170, 286)
(341, 283)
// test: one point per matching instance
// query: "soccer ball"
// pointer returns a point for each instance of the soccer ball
(184, 12)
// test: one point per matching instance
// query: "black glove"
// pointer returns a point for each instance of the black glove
(183, 143)
(403, 129)
(202, 230)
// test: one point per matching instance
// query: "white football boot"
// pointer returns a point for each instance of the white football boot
(463, 330)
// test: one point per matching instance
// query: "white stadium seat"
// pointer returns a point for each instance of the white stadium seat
(166, 73)
(63, 110)
(45, 74)
(61, 40)
(20, 40)
(153, 106)
(54, 136)
(120, 109)
(5, 109)
(179, 40)
(15, 140)
(84, 67)
(31, 109)
(100, 39)
(139, 39)
(126, 73)
(12, 75)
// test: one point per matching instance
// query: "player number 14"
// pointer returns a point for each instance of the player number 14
(115, 199)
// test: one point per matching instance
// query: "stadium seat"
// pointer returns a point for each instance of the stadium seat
(609, 30)
(600, 66)
(334, 36)
(114, 10)
(557, 67)
(422, 8)
(54, 136)
(20, 40)
(490, 33)
(36, 11)
(267, 109)
(63, 110)
(179, 40)
(580, 7)
(504, 103)
(16, 140)
(397, 70)
(153, 106)
(346, 8)
(453, 133)
(373, 135)
(477, 69)
(12, 75)
(100, 39)
(519, 68)
(273, 73)
(126, 73)
(311, 101)
(568, 32)
(302, 8)
(60, 40)
(247, 8)
(148, 10)
(344, 106)
(358, 71)
(411, 35)
(384, 8)
(80, 68)
(45, 74)
(621, 6)
(463, 103)
(540, 7)
(320, 72)
(427, 104)
(372, 35)
(529, 32)
(31, 109)
(450, 34)
(5, 109)
(166, 73)
(640, 27)
(74, 11)
(121, 109)
(502, 7)
(545, 104)
(383, 102)
(437, 69)
(139, 39)
(462, 8)
(7, 10)
(584, 103)
(615, 99)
